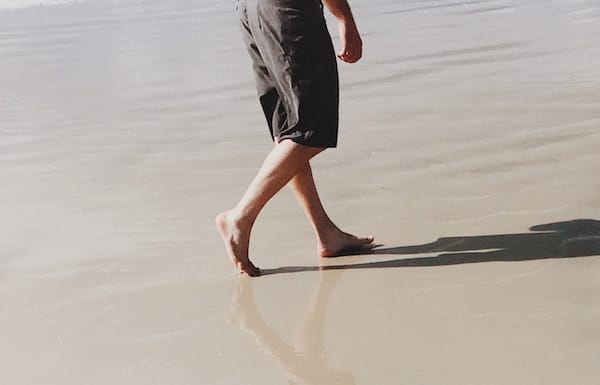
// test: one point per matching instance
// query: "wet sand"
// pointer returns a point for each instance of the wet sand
(469, 148)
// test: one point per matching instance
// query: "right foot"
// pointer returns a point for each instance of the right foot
(340, 243)
(236, 240)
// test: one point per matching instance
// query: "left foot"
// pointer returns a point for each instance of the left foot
(340, 243)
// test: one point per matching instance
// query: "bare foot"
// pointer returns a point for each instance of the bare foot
(236, 242)
(339, 243)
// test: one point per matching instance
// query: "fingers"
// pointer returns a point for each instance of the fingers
(351, 42)
(349, 55)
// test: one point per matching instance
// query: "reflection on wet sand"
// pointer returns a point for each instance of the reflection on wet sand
(305, 363)
(125, 126)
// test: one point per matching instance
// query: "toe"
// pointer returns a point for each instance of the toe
(249, 269)
(365, 241)
(253, 271)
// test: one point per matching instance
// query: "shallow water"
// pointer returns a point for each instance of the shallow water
(126, 125)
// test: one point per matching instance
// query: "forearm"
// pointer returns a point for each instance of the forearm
(340, 9)
(351, 50)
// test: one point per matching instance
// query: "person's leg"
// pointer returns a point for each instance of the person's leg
(235, 225)
(331, 241)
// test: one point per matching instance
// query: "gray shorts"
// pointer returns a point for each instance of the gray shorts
(295, 68)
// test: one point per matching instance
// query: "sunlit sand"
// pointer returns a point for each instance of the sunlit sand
(469, 147)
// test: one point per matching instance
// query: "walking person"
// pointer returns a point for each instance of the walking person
(296, 75)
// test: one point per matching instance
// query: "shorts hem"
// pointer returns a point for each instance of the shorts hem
(308, 143)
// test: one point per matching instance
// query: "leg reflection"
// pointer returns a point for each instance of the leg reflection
(304, 363)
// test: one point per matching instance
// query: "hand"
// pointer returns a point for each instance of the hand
(351, 50)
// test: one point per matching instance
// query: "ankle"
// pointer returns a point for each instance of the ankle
(327, 232)
(239, 220)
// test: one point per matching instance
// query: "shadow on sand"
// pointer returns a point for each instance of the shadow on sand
(568, 239)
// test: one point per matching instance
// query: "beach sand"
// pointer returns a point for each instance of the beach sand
(468, 126)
